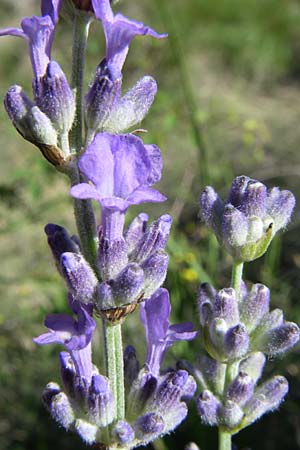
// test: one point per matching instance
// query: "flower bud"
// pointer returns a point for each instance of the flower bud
(128, 285)
(131, 366)
(254, 199)
(155, 239)
(148, 426)
(112, 257)
(87, 431)
(241, 389)
(230, 414)
(155, 270)
(236, 342)
(253, 365)
(133, 106)
(206, 298)
(234, 227)
(123, 432)
(255, 306)
(226, 307)
(100, 401)
(135, 232)
(68, 372)
(60, 241)
(169, 392)
(61, 410)
(267, 397)
(28, 119)
(102, 96)
(279, 339)
(79, 276)
(208, 408)
(49, 392)
(55, 98)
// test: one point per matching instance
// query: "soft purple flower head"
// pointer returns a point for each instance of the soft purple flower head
(122, 169)
(159, 334)
(119, 32)
(39, 33)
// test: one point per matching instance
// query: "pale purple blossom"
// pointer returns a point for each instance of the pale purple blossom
(160, 335)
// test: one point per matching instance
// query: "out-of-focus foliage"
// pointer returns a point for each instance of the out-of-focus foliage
(228, 104)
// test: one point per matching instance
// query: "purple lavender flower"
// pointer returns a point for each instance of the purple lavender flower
(160, 335)
(119, 32)
(122, 169)
(39, 33)
(247, 221)
(106, 110)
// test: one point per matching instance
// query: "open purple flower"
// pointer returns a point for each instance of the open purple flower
(39, 33)
(155, 314)
(75, 335)
(119, 32)
(105, 108)
(122, 169)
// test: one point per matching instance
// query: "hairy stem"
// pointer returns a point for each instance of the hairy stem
(83, 210)
(236, 277)
(114, 365)
(224, 440)
(80, 36)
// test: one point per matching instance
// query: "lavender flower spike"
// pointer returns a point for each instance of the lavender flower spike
(159, 334)
(119, 32)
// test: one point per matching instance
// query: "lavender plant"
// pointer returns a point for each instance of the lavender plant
(238, 329)
(112, 267)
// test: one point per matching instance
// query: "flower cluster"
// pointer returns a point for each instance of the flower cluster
(237, 326)
(240, 334)
(155, 401)
(248, 220)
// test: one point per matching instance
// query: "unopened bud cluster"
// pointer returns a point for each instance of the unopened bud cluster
(132, 268)
(238, 333)
(247, 221)
(232, 328)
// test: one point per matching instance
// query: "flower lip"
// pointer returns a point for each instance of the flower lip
(122, 169)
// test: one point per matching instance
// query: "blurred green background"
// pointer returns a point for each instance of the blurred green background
(228, 104)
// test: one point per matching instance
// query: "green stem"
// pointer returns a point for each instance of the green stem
(236, 277)
(80, 36)
(224, 440)
(114, 365)
(86, 226)
(83, 210)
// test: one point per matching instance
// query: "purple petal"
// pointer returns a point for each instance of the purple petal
(60, 322)
(119, 32)
(51, 8)
(13, 32)
(145, 194)
(181, 331)
(85, 191)
(121, 168)
(39, 31)
(97, 163)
